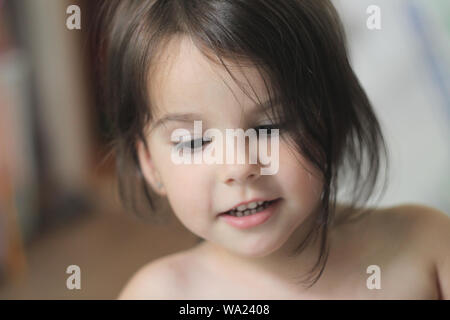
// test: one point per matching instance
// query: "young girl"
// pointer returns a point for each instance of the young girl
(260, 64)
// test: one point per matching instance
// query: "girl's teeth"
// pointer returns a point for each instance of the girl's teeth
(252, 205)
(250, 211)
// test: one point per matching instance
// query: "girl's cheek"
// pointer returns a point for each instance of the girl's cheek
(186, 184)
(190, 207)
(298, 174)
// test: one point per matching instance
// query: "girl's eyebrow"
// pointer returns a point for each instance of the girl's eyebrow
(190, 117)
(179, 117)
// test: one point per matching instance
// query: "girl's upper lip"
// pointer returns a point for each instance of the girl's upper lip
(249, 201)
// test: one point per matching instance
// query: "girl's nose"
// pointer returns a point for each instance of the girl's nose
(241, 173)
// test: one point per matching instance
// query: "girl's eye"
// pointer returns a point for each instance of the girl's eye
(201, 142)
(192, 144)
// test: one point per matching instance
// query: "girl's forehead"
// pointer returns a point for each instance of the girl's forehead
(184, 78)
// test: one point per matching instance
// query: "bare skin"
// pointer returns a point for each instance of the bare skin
(409, 243)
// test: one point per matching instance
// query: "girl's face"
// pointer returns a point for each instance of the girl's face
(186, 82)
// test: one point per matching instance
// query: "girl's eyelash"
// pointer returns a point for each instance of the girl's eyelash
(191, 143)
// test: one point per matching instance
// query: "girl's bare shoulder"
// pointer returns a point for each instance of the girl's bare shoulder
(420, 226)
(407, 239)
(413, 223)
(429, 235)
(162, 279)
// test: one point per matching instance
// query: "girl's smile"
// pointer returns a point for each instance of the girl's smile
(253, 215)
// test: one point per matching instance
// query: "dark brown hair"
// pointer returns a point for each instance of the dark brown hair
(299, 48)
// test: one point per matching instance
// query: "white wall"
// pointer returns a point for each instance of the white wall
(406, 75)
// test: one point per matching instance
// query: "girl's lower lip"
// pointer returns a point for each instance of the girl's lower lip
(252, 220)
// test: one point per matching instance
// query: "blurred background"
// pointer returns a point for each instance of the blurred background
(58, 199)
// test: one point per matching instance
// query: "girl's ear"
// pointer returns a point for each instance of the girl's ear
(151, 174)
